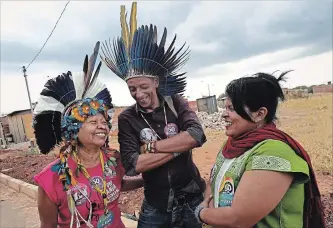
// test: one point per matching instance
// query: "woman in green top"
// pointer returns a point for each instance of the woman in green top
(262, 177)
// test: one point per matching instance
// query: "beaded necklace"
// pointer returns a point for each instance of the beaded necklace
(84, 171)
(67, 178)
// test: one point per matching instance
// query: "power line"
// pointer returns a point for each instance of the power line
(49, 35)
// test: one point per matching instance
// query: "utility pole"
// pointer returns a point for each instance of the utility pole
(26, 83)
(32, 112)
(208, 90)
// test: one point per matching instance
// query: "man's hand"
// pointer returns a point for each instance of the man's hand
(142, 149)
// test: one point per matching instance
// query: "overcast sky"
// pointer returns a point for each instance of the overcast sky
(227, 39)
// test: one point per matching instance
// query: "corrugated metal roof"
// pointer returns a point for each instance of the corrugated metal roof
(17, 111)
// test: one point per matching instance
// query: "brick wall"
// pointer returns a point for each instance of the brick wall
(323, 89)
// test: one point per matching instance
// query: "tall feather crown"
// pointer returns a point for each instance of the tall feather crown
(62, 92)
(136, 53)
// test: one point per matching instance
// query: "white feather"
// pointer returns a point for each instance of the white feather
(45, 103)
(78, 80)
(95, 88)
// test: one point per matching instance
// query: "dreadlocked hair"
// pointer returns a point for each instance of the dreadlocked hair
(256, 91)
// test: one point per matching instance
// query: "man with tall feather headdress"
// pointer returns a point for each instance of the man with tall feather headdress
(157, 134)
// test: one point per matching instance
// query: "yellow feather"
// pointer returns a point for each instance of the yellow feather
(133, 22)
(124, 26)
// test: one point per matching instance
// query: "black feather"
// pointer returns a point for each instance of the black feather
(60, 88)
(47, 129)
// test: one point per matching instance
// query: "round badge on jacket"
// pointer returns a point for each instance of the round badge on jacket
(147, 135)
(171, 129)
(80, 193)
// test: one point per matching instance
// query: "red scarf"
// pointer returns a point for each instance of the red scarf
(313, 209)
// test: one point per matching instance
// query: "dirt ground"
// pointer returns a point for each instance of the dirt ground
(24, 167)
(16, 209)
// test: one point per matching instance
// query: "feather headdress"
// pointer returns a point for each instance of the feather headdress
(63, 92)
(136, 53)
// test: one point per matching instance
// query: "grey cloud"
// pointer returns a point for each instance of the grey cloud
(308, 23)
(74, 52)
(14, 52)
(305, 23)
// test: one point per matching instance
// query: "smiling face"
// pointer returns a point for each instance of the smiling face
(235, 124)
(94, 131)
(143, 90)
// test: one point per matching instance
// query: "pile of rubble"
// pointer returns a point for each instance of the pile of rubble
(211, 121)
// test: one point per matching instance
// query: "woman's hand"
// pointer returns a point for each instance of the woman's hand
(211, 203)
(208, 194)
(207, 202)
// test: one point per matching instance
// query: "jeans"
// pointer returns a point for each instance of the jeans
(182, 214)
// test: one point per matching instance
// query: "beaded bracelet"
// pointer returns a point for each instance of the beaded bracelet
(197, 213)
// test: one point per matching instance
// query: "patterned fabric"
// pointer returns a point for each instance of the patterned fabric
(83, 193)
(271, 155)
(271, 163)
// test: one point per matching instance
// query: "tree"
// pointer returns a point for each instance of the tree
(301, 87)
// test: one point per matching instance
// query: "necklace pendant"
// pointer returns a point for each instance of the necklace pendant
(105, 220)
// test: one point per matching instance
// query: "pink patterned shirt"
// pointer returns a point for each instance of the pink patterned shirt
(48, 179)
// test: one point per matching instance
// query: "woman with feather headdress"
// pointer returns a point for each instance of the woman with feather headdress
(81, 188)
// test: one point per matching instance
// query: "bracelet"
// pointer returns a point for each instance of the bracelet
(154, 147)
(148, 148)
(197, 213)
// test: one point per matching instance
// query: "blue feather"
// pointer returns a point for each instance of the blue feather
(148, 57)
(105, 96)
(56, 167)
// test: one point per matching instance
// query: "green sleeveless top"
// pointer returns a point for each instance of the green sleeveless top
(267, 155)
